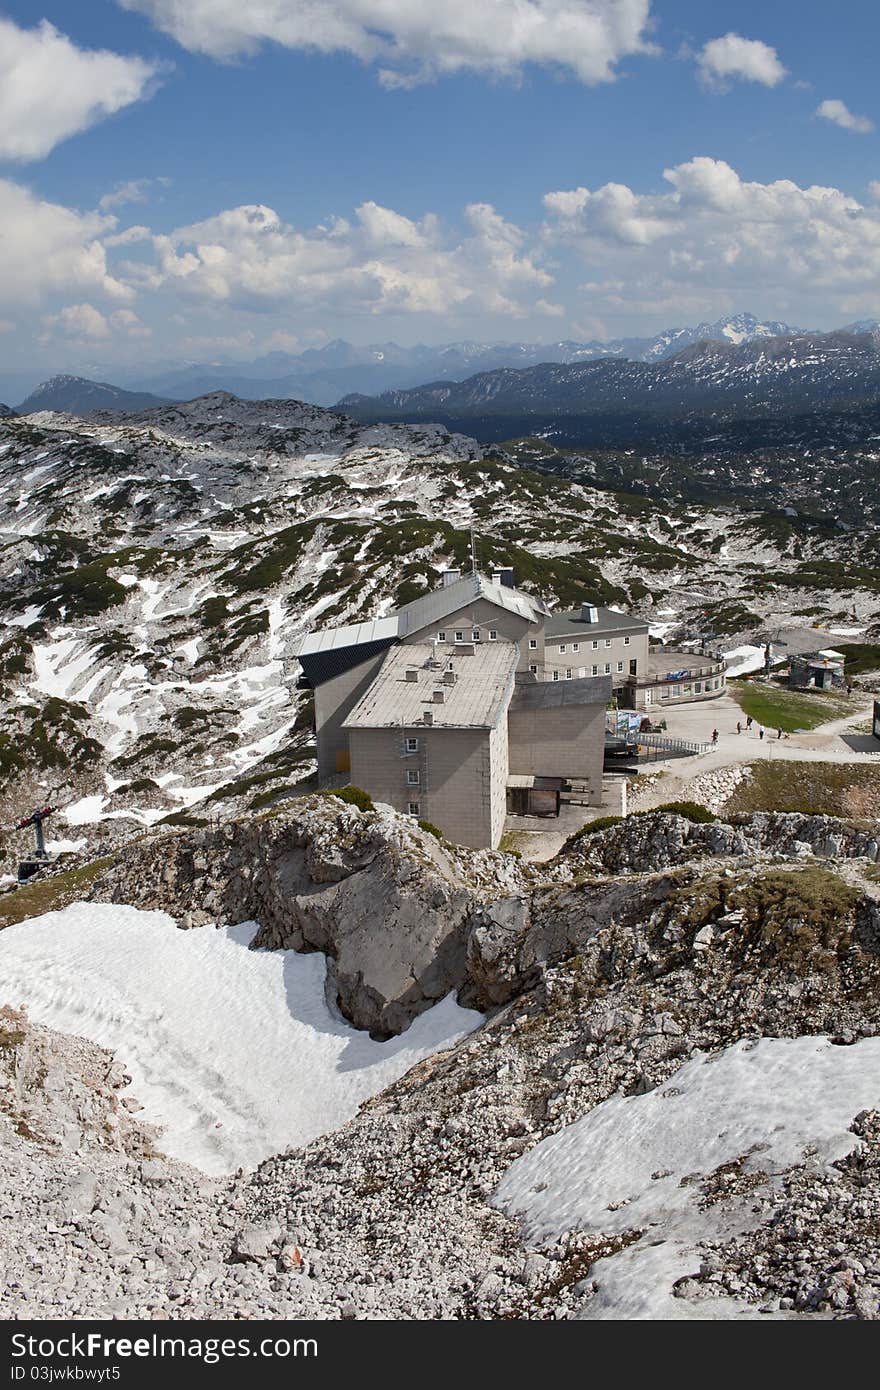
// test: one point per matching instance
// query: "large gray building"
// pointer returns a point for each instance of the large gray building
(434, 707)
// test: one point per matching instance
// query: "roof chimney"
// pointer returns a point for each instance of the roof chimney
(589, 613)
(449, 677)
(428, 717)
(449, 577)
(412, 674)
(439, 696)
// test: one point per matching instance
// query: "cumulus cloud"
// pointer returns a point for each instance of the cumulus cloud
(132, 191)
(715, 239)
(381, 262)
(840, 114)
(733, 58)
(414, 40)
(46, 249)
(50, 89)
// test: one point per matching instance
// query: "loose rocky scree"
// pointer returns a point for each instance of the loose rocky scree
(600, 973)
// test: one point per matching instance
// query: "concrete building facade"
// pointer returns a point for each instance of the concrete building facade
(433, 708)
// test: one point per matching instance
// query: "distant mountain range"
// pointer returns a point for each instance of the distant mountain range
(76, 395)
(764, 376)
(5, 411)
(738, 364)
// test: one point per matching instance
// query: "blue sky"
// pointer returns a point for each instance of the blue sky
(490, 170)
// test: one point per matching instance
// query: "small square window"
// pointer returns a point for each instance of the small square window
(534, 670)
(412, 745)
(620, 665)
(575, 646)
(493, 634)
(412, 776)
(626, 641)
(568, 673)
(413, 808)
(594, 670)
(475, 634)
(459, 634)
(556, 675)
(441, 636)
(608, 668)
(562, 646)
(607, 641)
(533, 645)
(595, 646)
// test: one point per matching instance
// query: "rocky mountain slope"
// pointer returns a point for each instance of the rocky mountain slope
(764, 376)
(76, 395)
(656, 963)
(156, 569)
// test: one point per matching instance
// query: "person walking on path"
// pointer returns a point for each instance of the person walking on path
(760, 733)
(779, 733)
(748, 721)
(739, 727)
(714, 737)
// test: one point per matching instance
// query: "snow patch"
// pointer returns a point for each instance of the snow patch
(234, 1052)
(622, 1166)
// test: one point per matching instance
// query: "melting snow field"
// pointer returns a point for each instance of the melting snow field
(621, 1167)
(235, 1053)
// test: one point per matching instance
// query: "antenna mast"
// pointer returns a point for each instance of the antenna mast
(473, 552)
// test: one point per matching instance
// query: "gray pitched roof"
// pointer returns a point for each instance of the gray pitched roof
(437, 605)
(608, 620)
(476, 700)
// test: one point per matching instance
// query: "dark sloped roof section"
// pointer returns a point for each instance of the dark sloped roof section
(322, 666)
(589, 690)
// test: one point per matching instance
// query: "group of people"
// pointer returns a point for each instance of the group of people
(748, 725)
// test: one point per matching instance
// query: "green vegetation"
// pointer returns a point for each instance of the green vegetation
(354, 796)
(691, 810)
(431, 829)
(802, 914)
(793, 711)
(47, 737)
(592, 827)
(860, 657)
(813, 789)
(50, 894)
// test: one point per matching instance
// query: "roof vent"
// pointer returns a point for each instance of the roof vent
(439, 696)
(412, 674)
(427, 717)
(503, 576)
(449, 577)
(449, 677)
(464, 649)
(589, 613)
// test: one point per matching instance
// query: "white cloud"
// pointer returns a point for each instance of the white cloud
(47, 249)
(132, 191)
(50, 89)
(415, 40)
(382, 262)
(732, 57)
(716, 241)
(874, 190)
(80, 321)
(839, 114)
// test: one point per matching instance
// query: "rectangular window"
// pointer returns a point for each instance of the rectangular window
(412, 776)
(675, 692)
(413, 808)
(688, 690)
(594, 670)
(441, 636)
(475, 634)
(534, 670)
(459, 635)
(634, 667)
(556, 675)
(568, 673)
(533, 645)
(575, 646)
(698, 687)
(595, 646)
(493, 634)
(608, 668)
(607, 641)
(664, 693)
(412, 745)
(562, 646)
(626, 641)
(619, 666)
